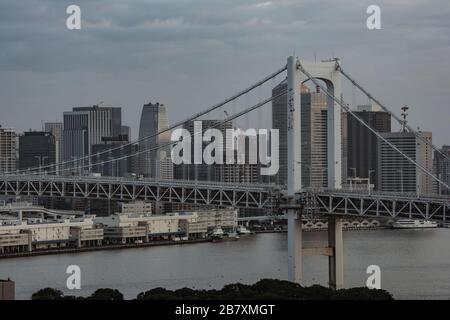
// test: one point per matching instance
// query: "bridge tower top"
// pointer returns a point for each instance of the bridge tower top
(328, 72)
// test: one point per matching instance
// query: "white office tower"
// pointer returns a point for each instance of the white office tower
(85, 127)
(154, 163)
(313, 135)
(396, 173)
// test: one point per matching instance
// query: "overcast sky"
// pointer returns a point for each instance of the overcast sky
(190, 54)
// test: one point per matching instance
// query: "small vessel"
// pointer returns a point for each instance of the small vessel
(241, 230)
(413, 224)
(217, 233)
(231, 236)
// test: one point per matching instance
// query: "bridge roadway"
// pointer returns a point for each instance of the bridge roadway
(264, 196)
(16, 208)
(377, 204)
(111, 188)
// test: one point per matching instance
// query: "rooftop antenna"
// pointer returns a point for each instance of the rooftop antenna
(404, 115)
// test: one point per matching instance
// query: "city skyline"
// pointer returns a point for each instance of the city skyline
(131, 166)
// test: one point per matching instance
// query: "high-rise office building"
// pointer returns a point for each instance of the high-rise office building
(7, 150)
(86, 126)
(203, 171)
(37, 149)
(112, 148)
(314, 138)
(442, 169)
(75, 135)
(247, 172)
(56, 129)
(362, 144)
(279, 121)
(395, 172)
(154, 163)
(314, 112)
(126, 131)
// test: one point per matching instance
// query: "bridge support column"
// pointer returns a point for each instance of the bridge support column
(336, 260)
(295, 269)
(294, 172)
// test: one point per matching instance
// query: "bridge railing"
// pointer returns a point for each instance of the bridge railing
(381, 194)
(53, 178)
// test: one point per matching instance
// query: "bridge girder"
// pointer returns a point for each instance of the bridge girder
(125, 190)
(378, 205)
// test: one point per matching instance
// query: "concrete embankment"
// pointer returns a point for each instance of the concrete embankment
(98, 248)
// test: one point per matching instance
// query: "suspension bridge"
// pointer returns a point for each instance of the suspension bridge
(295, 201)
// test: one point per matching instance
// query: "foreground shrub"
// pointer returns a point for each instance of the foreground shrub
(266, 289)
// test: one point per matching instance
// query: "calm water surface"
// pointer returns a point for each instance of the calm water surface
(414, 264)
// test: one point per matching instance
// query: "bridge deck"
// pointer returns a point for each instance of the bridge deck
(263, 196)
(176, 191)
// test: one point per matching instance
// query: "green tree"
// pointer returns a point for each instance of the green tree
(47, 294)
(106, 294)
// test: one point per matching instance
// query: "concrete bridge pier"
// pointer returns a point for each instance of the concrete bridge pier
(336, 258)
(334, 250)
(295, 248)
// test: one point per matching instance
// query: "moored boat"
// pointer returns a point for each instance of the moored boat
(413, 224)
(242, 230)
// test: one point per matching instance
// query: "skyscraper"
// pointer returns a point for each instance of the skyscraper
(76, 135)
(314, 138)
(248, 172)
(7, 150)
(86, 126)
(203, 171)
(126, 131)
(154, 163)
(442, 170)
(113, 148)
(56, 129)
(313, 135)
(37, 149)
(279, 121)
(362, 144)
(395, 172)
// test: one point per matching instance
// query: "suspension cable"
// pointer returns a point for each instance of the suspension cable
(379, 136)
(400, 121)
(180, 123)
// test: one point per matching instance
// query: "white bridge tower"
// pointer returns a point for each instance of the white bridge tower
(327, 72)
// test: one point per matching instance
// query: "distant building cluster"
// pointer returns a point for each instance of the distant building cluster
(33, 228)
(94, 141)
(367, 162)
